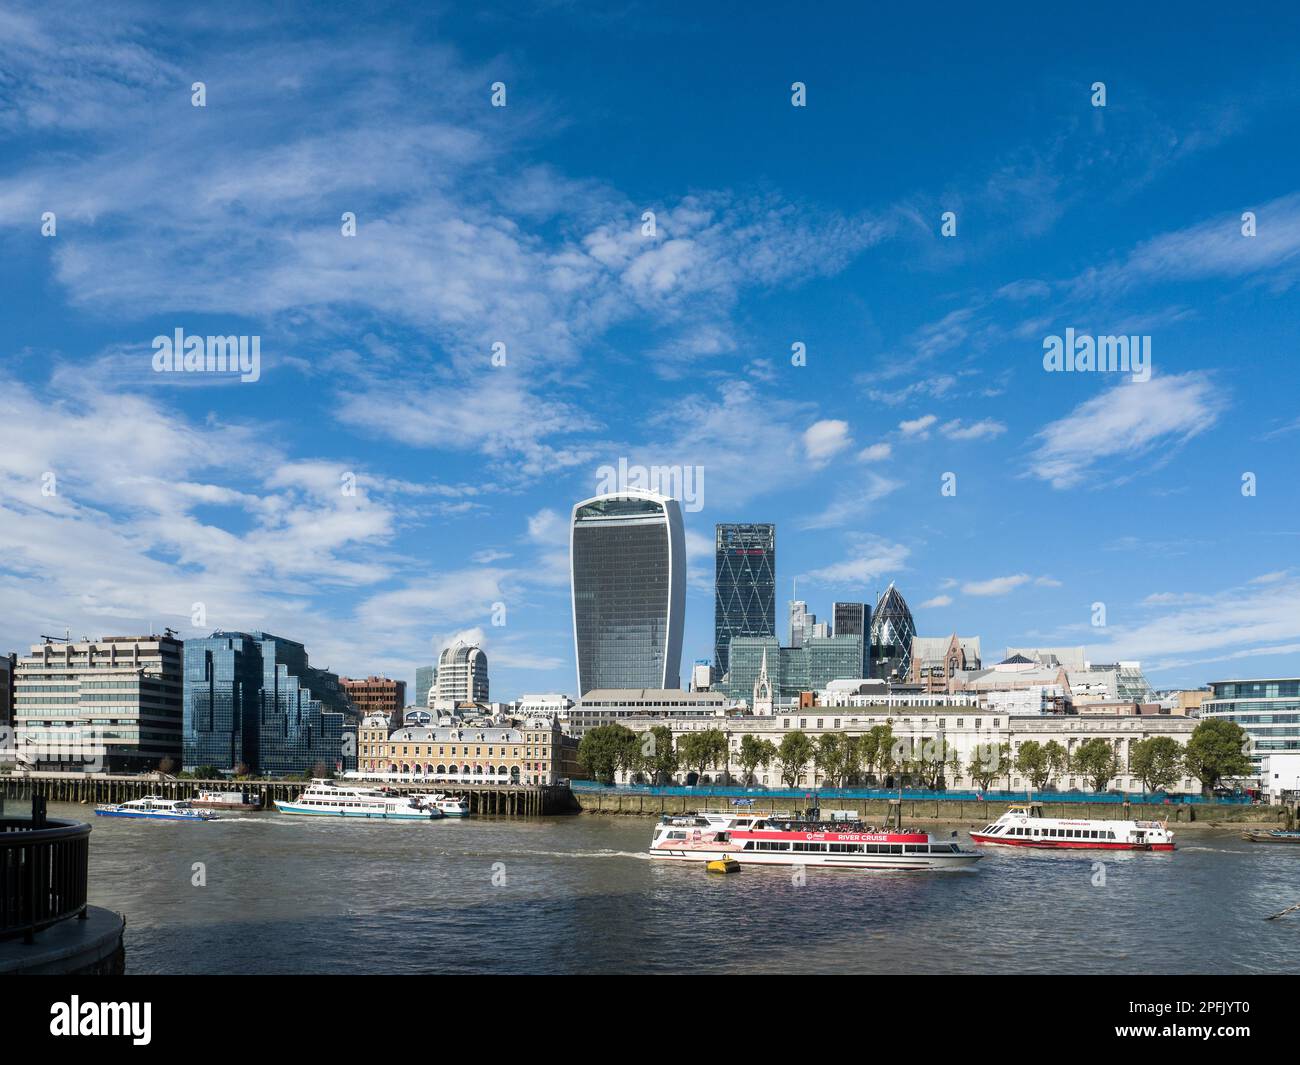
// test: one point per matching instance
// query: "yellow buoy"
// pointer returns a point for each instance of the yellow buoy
(723, 865)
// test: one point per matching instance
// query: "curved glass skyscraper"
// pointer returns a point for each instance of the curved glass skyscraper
(892, 630)
(627, 559)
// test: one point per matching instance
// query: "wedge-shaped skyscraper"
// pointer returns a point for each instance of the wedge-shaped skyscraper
(627, 559)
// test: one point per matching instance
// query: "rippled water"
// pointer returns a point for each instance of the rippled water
(287, 895)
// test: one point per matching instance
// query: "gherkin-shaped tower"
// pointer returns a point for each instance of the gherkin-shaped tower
(892, 630)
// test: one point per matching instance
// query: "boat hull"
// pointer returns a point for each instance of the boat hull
(863, 862)
(377, 815)
(1264, 837)
(141, 816)
(1069, 844)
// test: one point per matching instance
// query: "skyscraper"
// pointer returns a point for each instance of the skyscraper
(854, 619)
(744, 602)
(424, 678)
(252, 698)
(462, 676)
(892, 630)
(627, 557)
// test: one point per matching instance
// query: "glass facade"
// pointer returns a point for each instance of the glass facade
(791, 670)
(892, 631)
(854, 619)
(628, 561)
(252, 698)
(744, 601)
(1269, 711)
(425, 677)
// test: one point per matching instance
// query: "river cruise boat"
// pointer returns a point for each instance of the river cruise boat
(326, 799)
(449, 807)
(223, 800)
(805, 840)
(154, 808)
(1023, 825)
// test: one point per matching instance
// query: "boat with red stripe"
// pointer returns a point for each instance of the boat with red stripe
(802, 840)
(1023, 825)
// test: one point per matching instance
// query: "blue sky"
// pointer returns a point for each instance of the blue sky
(775, 224)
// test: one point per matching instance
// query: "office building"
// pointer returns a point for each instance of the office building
(425, 676)
(892, 631)
(462, 677)
(253, 700)
(627, 555)
(968, 732)
(809, 667)
(376, 695)
(110, 705)
(602, 706)
(8, 669)
(744, 602)
(1268, 709)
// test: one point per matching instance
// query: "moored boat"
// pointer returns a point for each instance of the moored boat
(803, 840)
(326, 799)
(154, 808)
(223, 800)
(1276, 835)
(447, 805)
(1023, 825)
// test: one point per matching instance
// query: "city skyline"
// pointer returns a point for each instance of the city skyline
(796, 326)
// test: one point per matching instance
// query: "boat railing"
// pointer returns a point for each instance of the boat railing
(43, 863)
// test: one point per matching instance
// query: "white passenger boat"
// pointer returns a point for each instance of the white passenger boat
(450, 807)
(777, 840)
(326, 799)
(155, 808)
(1023, 825)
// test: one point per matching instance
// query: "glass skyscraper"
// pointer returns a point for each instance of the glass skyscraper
(854, 619)
(252, 699)
(627, 556)
(744, 601)
(892, 630)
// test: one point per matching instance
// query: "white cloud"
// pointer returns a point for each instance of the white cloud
(1129, 422)
(825, 439)
(869, 559)
(918, 427)
(986, 427)
(996, 585)
(876, 452)
(938, 600)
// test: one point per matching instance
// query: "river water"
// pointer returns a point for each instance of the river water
(577, 895)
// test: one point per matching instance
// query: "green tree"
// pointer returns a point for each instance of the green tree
(829, 757)
(852, 764)
(753, 753)
(1096, 760)
(699, 751)
(1217, 749)
(1157, 762)
(1058, 758)
(657, 757)
(606, 749)
(876, 745)
(1034, 762)
(987, 763)
(793, 754)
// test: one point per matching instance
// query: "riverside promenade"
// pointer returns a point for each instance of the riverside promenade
(956, 808)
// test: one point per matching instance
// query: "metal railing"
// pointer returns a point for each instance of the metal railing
(43, 864)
